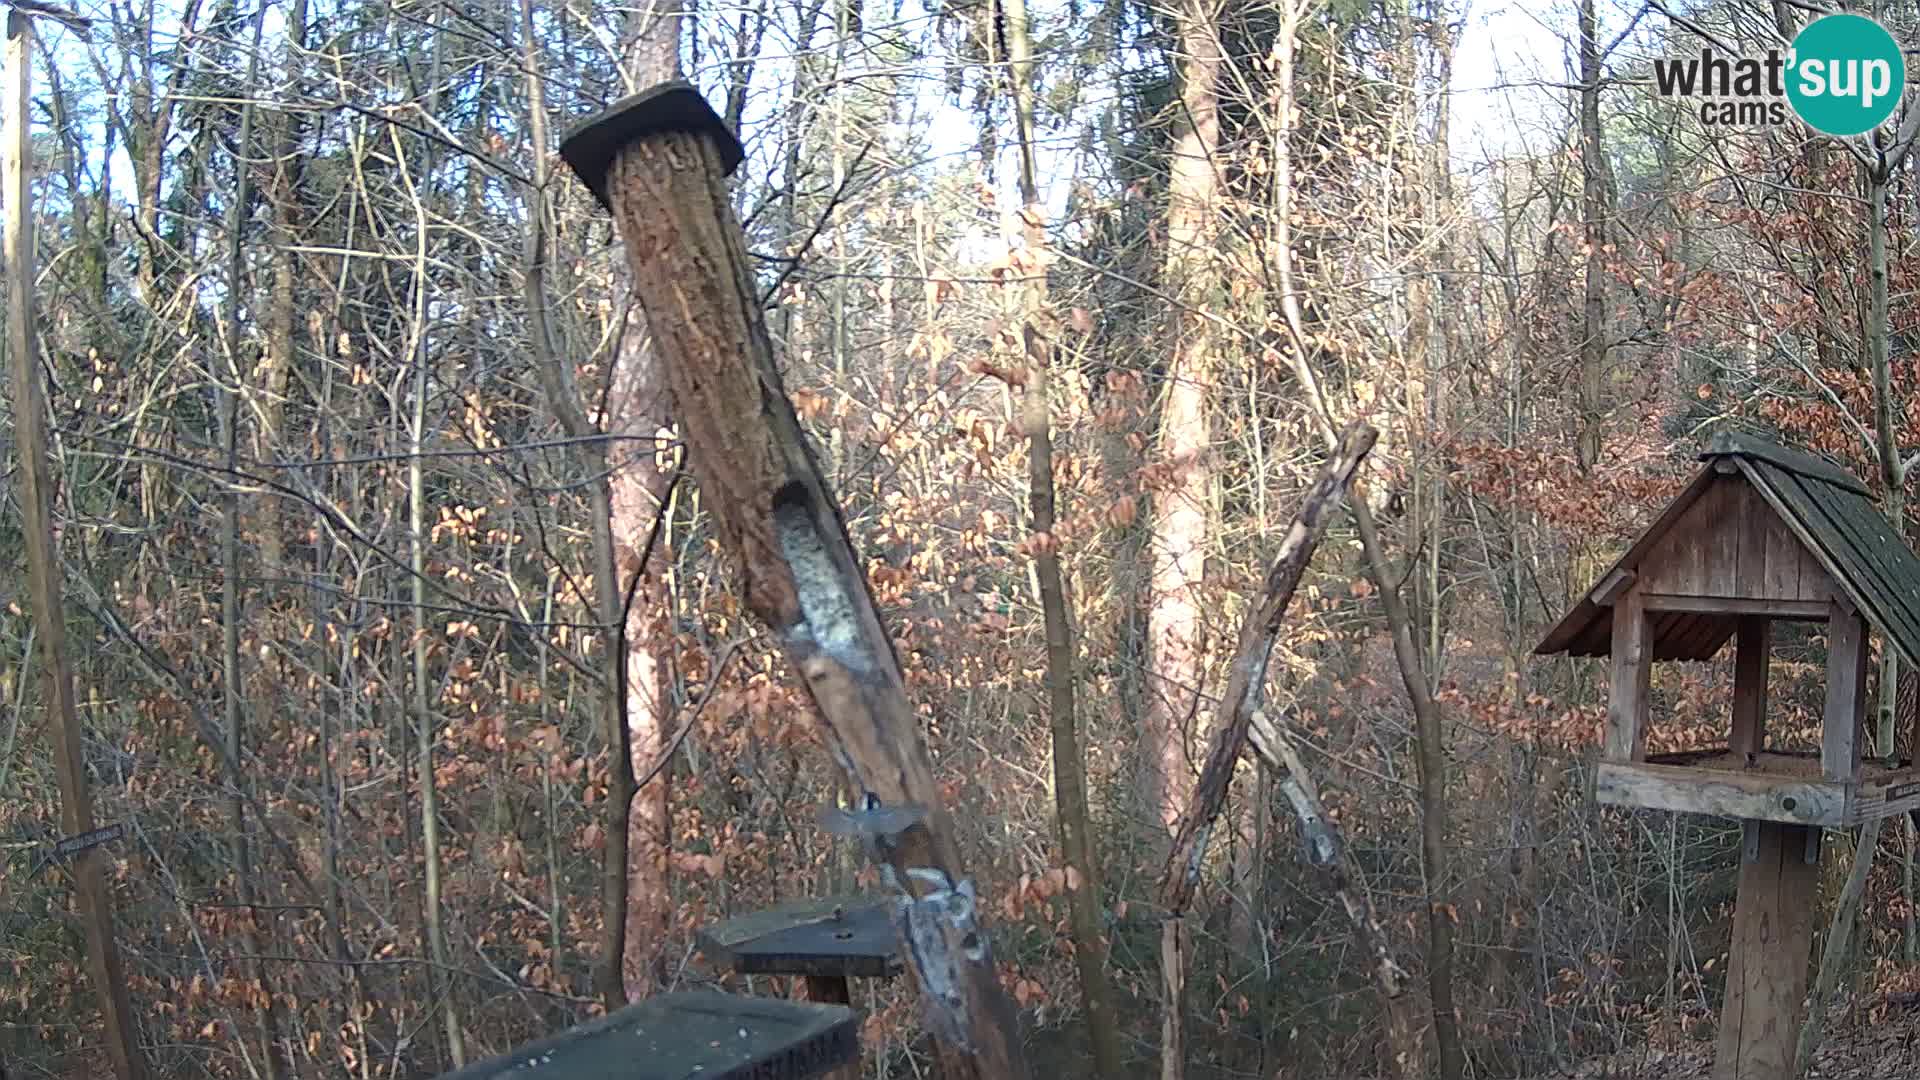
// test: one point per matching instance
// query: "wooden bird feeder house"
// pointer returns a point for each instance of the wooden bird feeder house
(1762, 534)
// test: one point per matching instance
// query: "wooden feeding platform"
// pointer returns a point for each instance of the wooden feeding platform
(1763, 534)
(1769, 785)
(696, 1034)
(825, 941)
(834, 938)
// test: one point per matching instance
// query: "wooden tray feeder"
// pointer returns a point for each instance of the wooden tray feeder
(1763, 534)
(825, 941)
(698, 1034)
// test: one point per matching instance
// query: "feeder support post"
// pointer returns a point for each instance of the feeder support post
(658, 161)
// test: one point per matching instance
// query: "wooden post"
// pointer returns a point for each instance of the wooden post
(658, 161)
(1632, 669)
(1752, 649)
(834, 990)
(1767, 959)
(1846, 708)
(43, 563)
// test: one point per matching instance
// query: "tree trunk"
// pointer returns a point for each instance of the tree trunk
(266, 1009)
(440, 992)
(774, 512)
(1178, 530)
(638, 489)
(1593, 329)
(35, 475)
(1077, 847)
(1433, 799)
(1246, 686)
(556, 383)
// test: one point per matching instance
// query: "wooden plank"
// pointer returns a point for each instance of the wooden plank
(833, 937)
(1611, 586)
(1576, 622)
(1719, 538)
(1712, 632)
(1781, 576)
(673, 1036)
(1846, 708)
(1767, 968)
(1809, 610)
(833, 990)
(1754, 796)
(1898, 794)
(1752, 654)
(1627, 702)
(1755, 520)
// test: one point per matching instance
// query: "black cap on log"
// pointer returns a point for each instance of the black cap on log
(591, 145)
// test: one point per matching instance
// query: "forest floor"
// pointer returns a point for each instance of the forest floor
(1889, 1050)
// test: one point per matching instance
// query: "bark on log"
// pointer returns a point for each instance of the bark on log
(1246, 683)
(658, 161)
(1247, 678)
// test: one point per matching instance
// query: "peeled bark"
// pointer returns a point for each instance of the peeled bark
(777, 518)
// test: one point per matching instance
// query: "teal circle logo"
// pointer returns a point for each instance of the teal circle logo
(1847, 75)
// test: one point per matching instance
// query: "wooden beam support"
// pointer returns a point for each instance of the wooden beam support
(1611, 586)
(1767, 959)
(1843, 719)
(1752, 653)
(1808, 610)
(1632, 669)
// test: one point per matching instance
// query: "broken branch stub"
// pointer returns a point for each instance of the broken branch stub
(658, 161)
(1246, 680)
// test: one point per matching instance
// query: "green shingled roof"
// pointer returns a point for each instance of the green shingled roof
(1826, 507)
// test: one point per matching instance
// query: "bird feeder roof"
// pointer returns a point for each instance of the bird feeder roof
(1827, 510)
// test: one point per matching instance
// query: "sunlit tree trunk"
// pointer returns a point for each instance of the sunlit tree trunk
(1077, 845)
(638, 486)
(1178, 531)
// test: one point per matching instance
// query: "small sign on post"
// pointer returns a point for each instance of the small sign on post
(74, 845)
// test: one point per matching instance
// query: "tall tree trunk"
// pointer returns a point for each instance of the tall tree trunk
(232, 381)
(1178, 530)
(1077, 845)
(1433, 798)
(592, 458)
(1593, 328)
(35, 477)
(1838, 948)
(440, 992)
(638, 489)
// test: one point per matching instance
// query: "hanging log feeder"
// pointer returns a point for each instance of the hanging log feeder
(658, 162)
